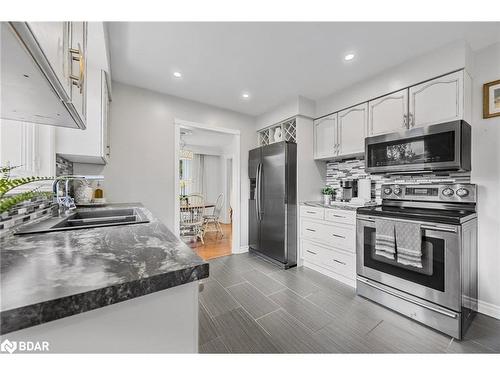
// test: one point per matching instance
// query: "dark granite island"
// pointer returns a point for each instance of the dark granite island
(128, 288)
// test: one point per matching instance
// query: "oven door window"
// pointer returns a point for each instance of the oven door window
(432, 148)
(432, 273)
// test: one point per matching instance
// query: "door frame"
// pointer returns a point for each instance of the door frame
(236, 177)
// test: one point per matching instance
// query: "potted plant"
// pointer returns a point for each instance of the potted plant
(327, 192)
(9, 201)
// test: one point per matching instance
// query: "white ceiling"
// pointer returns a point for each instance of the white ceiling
(275, 61)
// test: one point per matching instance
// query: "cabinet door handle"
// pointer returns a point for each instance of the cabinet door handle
(338, 261)
(311, 252)
(343, 217)
(311, 212)
(311, 230)
(77, 55)
(405, 121)
(337, 235)
(411, 122)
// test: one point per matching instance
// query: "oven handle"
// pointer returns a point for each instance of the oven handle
(400, 296)
(422, 225)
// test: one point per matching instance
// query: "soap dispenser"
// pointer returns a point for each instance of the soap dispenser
(98, 193)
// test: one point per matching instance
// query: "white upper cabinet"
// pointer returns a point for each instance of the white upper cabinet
(388, 114)
(43, 73)
(78, 73)
(92, 144)
(352, 129)
(105, 103)
(54, 40)
(438, 100)
(29, 146)
(325, 137)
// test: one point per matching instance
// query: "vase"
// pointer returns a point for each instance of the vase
(278, 134)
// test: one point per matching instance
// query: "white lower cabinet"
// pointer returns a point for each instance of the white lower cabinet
(328, 242)
(340, 262)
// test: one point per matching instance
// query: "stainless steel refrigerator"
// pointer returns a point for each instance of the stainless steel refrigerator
(272, 170)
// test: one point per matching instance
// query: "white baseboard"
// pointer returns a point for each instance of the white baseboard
(241, 250)
(489, 309)
(485, 308)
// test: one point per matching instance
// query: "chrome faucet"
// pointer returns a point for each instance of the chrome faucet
(66, 203)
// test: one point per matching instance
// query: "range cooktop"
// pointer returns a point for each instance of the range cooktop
(445, 216)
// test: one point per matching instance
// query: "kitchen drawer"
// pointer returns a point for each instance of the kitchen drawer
(334, 260)
(312, 212)
(335, 235)
(314, 230)
(341, 236)
(341, 216)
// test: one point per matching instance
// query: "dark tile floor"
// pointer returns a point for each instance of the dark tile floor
(248, 305)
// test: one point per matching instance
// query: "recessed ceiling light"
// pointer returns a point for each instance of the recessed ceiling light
(349, 56)
(245, 95)
(177, 74)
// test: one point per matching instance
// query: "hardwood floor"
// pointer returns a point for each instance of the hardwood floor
(214, 246)
(248, 305)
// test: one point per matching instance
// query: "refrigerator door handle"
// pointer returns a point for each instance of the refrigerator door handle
(258, 191)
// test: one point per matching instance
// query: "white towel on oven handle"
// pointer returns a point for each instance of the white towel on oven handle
(409, 243)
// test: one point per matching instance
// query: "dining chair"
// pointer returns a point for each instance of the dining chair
(214, 218)
(191, 216)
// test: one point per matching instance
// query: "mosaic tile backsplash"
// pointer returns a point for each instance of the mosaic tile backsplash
(35, 209)
(29, 211)
(63, 166)
(355, 169)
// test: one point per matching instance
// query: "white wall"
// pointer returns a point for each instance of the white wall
(451, 57)
(214, 183)
(205, 150)
(486, 174)
(310, 174)
(142, 148)
(299, 105)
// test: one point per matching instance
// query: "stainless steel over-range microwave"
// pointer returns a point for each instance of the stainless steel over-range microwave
(441, 147)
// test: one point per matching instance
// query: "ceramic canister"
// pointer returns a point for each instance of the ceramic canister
(84, 193)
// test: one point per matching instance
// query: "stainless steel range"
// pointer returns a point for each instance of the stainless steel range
(438, 289)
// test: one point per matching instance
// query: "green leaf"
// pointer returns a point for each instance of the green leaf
(8, 185)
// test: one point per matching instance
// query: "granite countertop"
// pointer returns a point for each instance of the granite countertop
(53, 275)
(337, 205)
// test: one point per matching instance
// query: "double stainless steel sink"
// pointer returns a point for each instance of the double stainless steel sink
(87, 219)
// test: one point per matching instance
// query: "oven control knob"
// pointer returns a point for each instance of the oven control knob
(387, 191)
(462, 192)
(448, 192)
(398, 191)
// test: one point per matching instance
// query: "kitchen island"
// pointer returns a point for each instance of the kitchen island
(125, 288)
